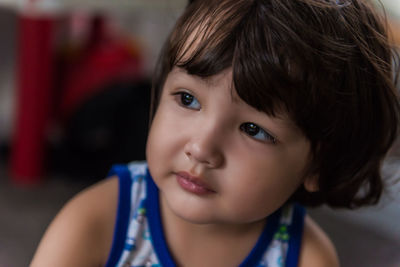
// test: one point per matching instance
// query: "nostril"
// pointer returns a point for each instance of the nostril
(211, 160)
(204, 151)
(188, 154)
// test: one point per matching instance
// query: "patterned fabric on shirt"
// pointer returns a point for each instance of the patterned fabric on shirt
(139, 240)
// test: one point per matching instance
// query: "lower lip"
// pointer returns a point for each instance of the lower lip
(191, 187)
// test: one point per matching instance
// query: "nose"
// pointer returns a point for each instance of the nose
(205, 147)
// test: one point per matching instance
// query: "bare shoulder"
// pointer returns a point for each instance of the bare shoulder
(317, 249)
(81, 233)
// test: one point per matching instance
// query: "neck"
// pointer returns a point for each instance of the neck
(208, 244)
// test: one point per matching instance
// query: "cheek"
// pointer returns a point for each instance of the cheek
(164, 138)
(260, 199)
(155, 139)
(262, 183)
(155, 149)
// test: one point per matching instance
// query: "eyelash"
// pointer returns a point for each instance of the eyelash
(184, 96)
(249, 128)
(253, 130)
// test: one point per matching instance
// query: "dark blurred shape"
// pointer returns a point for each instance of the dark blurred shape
(110, 127)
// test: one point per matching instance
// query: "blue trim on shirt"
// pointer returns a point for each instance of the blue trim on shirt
(154, 219)
(123, 213)
(254, 258)
(296, 234)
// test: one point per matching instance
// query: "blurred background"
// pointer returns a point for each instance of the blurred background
(74, 95)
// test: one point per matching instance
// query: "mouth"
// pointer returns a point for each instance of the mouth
(193, 184)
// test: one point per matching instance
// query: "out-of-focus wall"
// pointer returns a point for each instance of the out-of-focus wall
(148, 27)
(392, 11)
(7, 66)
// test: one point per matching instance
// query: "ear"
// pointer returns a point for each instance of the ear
(311, 183)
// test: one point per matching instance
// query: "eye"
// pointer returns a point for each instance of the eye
(188, 100)
(257, 132)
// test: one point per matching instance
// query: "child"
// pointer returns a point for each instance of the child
(258, 106)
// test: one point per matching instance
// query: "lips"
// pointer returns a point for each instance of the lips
(193, 184)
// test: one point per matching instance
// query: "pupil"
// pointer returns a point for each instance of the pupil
(252, 129)
(187, 99)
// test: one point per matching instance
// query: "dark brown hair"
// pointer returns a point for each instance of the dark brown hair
(325, 63)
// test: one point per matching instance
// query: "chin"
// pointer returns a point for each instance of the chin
(197, 220)
(191, 213)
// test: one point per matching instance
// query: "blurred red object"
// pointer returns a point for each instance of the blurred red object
(103, 59)
(34, 93)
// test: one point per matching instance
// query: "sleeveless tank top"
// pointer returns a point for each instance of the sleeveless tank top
(139, 239)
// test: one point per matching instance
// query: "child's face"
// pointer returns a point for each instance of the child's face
(216, 159)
